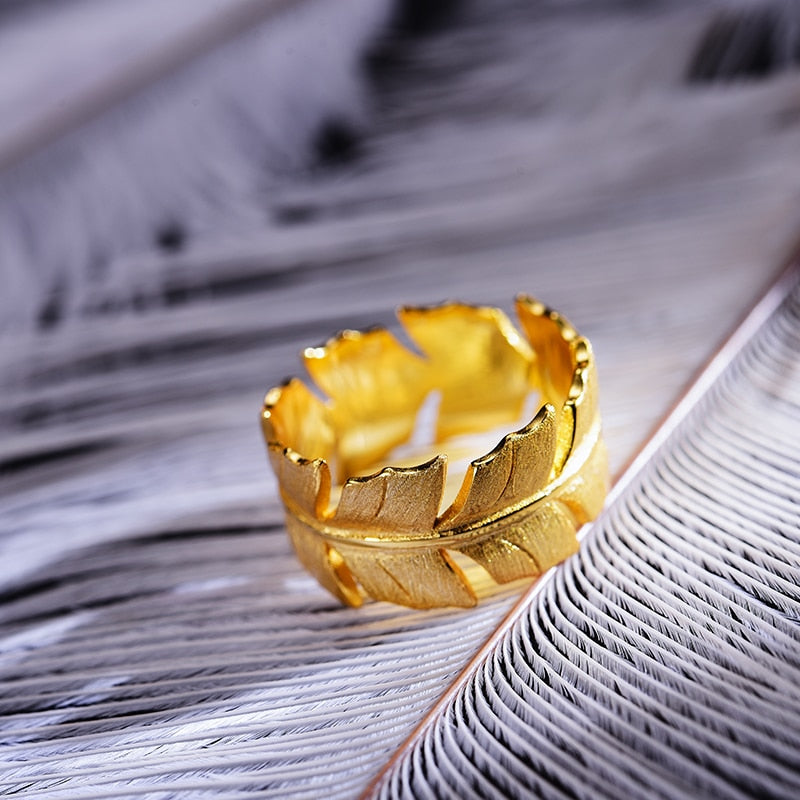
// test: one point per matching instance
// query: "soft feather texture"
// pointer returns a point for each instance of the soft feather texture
(157, 635)
(662, 660)
(198, 152)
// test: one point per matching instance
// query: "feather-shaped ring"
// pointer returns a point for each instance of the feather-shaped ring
(517, 510)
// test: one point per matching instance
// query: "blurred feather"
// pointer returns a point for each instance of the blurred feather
(193, 154)
(164, 262)
(748, 42)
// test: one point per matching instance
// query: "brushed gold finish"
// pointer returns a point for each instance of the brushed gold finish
(520, 505)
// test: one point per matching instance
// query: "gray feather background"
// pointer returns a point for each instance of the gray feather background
(192, 192)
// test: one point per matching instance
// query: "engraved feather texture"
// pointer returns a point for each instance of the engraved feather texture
(519, 506)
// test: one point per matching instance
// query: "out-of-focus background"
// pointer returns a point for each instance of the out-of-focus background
(193, 190)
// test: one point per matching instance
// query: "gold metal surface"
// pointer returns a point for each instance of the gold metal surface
(519, 506)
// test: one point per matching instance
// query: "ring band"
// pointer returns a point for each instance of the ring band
(519, 507)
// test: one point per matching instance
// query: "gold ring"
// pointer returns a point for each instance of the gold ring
(518, 508)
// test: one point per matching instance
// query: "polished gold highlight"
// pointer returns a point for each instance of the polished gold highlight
(519, 507)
